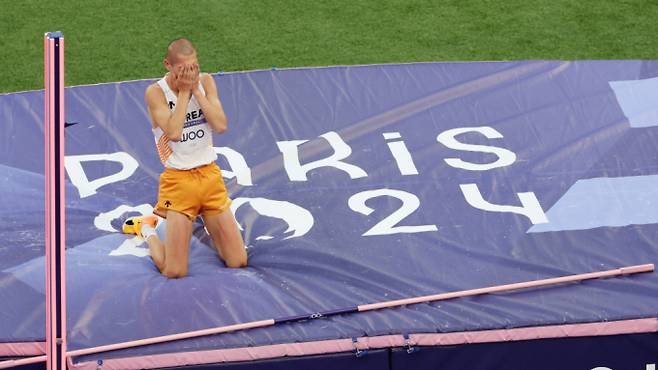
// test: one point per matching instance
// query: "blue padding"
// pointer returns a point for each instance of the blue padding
(600, 202)
(637, 98)
(352, 185)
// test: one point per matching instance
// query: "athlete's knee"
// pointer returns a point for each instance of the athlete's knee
(236, 261)
(175, 272)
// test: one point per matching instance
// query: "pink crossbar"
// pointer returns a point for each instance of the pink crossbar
(648, 325)
(18, 349)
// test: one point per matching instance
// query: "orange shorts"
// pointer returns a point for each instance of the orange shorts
(199, 191)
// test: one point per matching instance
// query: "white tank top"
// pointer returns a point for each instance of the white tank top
(195, 148)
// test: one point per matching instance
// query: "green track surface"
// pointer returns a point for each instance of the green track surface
(125, 40)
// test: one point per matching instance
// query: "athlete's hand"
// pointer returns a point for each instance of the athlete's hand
(188, 77)
(195, 72)
(183, 79)
(177, 74)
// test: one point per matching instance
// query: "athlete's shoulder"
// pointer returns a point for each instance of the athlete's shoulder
(153, 87)
(208, 82)
(154, 94)
(205, 78)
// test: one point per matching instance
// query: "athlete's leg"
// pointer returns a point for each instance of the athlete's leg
(226, 236)
(157, 248)
(173, 258)
(144, 227)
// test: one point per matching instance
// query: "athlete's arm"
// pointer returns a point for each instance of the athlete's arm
(170, 122)
(210, 104)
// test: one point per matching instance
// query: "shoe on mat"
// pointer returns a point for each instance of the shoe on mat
(133, 225)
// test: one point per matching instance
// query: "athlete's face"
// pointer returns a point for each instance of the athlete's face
(175, 64)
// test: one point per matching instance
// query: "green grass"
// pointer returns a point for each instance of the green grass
(123, 40)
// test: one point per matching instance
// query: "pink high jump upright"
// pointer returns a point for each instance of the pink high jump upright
(54, 195)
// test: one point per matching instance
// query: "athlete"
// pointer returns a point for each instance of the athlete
(185, 109)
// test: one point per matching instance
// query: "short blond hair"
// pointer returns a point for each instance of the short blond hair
(181, 46)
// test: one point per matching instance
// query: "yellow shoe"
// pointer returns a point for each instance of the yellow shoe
(133, 225)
